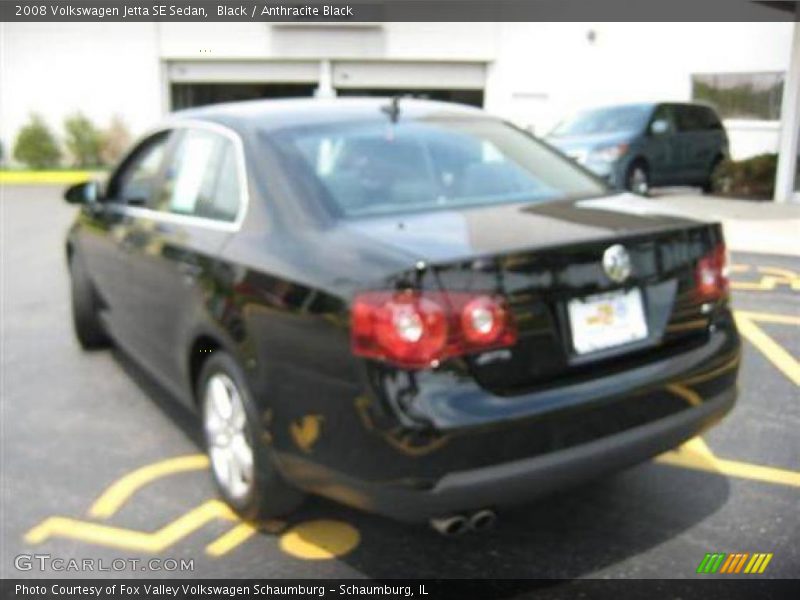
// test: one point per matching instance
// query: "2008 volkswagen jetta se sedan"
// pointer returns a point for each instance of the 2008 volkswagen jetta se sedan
(407, 306)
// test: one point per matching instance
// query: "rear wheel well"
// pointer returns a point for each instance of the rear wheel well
(202, 348)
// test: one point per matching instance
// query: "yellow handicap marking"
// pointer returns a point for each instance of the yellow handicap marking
(227, 542)
(131, 539)
(118, 493)
(330, 540)
(326, 539)
(774, 352)
(320, 540)
(769, 278)
(695, 454)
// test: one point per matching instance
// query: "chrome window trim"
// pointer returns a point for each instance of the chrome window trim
(208, 223)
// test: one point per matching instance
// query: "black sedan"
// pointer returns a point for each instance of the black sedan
(407, 306)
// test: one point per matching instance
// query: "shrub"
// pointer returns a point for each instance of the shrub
(115, 142)
(83, 141)
(750, 178)
(36, 146)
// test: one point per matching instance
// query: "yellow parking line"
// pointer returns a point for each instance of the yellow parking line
(773, 351)
(118, 493)
(130, 539)
(230, 540)
(770, 278)
(779, 272)
(770, 317)
(757, 472)
(695, 454)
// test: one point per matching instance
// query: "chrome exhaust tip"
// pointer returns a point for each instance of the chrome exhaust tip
(451, 526)
(483, 520)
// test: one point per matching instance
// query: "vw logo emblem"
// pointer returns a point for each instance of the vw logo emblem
(617, 263)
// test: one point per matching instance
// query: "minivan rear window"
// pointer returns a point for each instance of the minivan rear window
(379, 167)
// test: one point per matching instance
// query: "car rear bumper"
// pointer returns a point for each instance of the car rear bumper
(517, 481)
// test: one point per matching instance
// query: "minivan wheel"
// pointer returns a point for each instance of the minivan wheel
(85, 308)
(242, 465)
(638, 179)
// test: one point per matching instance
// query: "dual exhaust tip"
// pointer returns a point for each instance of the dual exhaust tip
(455, 525)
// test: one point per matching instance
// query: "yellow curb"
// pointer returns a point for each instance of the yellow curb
(39, 177)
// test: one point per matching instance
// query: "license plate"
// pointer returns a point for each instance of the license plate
(606, 320)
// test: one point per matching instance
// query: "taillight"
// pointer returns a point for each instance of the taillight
(711, 274)
(415, 329)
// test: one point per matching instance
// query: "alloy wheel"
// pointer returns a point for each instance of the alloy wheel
(229, 448)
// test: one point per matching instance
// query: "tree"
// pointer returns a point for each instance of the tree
(36, 146)
(83, 140)
(116, 140)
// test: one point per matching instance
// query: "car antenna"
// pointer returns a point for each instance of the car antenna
(393, 108)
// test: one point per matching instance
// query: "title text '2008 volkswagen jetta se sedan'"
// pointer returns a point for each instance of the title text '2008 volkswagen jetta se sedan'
(407, 306)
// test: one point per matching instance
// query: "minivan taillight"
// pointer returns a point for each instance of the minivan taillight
(418, 329)
(711, 274)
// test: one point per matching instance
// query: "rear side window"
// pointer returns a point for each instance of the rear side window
(697, 118)
(711, 119)
(226, 198)
(202, 178)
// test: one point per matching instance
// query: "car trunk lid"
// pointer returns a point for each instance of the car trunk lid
(543, 257)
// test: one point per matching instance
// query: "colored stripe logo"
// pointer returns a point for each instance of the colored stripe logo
(734, 563)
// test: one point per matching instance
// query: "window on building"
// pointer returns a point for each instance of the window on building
(741, 95)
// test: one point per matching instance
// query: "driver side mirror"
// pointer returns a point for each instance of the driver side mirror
(84, 193)
(659, 127)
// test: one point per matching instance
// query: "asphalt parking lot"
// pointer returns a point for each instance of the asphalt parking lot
(97, 463)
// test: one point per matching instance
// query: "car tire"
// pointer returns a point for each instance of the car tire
(637, 178)
(242, 465)
(85, 308)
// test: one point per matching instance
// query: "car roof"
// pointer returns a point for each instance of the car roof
(281, 113)
(652, 104)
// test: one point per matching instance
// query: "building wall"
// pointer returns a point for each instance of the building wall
(535, 72)
(544, 71)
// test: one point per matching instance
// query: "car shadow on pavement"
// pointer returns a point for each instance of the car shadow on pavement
(571, 534)
(177, 412)
(574, 533)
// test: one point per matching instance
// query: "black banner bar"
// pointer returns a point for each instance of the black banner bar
(731, 588)
(320, 11)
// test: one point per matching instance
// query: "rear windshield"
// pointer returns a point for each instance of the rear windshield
(605, 120)
(377, 167)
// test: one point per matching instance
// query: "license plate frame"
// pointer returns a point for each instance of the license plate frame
(607, 321)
